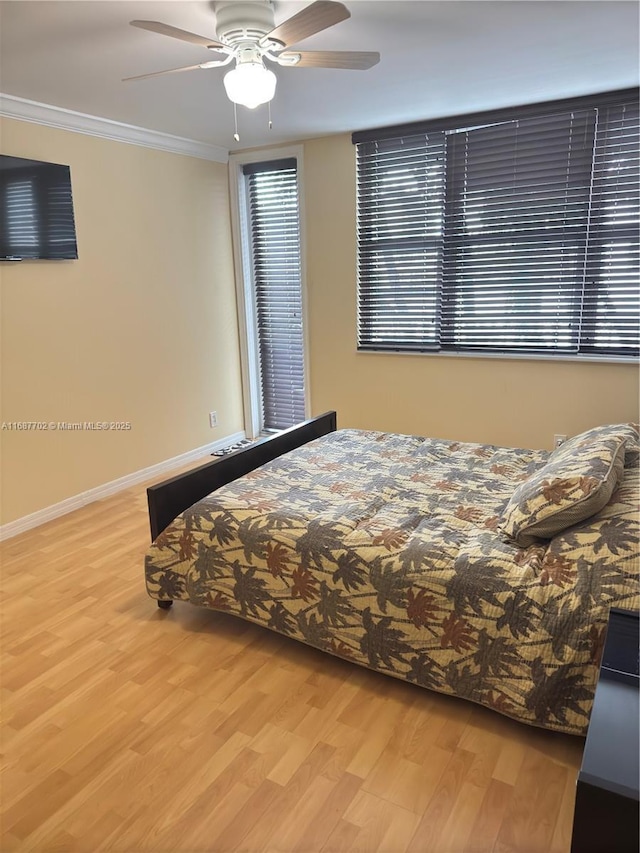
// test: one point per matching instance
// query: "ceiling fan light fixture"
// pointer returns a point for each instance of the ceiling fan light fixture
(250, 84)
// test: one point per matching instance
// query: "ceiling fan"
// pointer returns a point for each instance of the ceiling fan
(246, 33)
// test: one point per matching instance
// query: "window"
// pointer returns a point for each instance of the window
(507, 232)
(273, 232)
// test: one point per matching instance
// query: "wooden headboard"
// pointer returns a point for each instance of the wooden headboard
(171, 497)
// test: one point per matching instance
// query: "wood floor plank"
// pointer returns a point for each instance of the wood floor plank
(383, 826)
(487, 823)
(533, 810)
(194, 807)
(405, 783)
(342, 839)
(561, 839)
(442, 802)
(292, 828)
(316, 832)
(509, 763)
(454, 835)
(126, 728)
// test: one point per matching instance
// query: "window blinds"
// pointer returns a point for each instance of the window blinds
(400, 212)
(274, 229)
(509, 233)
(611, 311)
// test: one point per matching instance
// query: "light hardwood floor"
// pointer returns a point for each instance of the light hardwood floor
(127, 728)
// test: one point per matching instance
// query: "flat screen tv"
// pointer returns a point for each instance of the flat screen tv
(36, 211)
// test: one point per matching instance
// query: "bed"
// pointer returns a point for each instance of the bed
(478, 571)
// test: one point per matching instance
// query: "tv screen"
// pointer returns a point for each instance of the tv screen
(36, 210)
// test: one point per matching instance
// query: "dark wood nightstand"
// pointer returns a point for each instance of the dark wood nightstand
(607, 809)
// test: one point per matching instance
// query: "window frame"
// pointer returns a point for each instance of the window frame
(443, 346)
(245, 291)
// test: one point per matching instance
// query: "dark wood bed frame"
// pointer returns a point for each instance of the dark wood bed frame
(171, 497)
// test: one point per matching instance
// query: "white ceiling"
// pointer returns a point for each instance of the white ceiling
(437, 58)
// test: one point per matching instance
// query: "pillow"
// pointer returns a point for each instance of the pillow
(575, 483)
(629, 433)
(632, 454)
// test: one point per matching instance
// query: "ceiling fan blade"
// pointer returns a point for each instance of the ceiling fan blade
(170, 71)
(174, 32)
(315, 18)
(359, 60)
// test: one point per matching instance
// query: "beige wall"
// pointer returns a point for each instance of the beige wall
(512, 402)
(141, 328)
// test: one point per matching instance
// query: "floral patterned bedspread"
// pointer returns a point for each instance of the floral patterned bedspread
(384, 549)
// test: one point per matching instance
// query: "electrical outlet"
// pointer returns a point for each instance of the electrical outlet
(558, 440)
(213, 419)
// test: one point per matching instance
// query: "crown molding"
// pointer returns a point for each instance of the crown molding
(37, 113)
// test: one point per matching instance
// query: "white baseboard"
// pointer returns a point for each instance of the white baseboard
(27, 522)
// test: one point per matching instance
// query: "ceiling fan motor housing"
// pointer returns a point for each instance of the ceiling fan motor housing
(238, 22)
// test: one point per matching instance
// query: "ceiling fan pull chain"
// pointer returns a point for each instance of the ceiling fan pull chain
(270, 122)
(236, 135)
